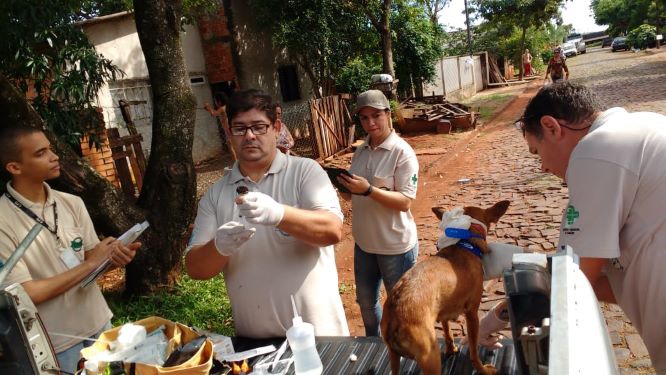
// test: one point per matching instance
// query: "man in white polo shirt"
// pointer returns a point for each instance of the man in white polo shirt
(269, 226)
(614, 165)
(64, 252)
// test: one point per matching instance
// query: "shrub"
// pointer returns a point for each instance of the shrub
(642, 37)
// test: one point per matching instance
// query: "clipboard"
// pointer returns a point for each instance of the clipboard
(333, 173)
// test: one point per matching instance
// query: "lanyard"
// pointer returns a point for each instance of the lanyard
(36, 218)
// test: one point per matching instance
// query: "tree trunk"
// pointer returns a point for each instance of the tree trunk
(385, 33)
(169, 189)
(110, 211)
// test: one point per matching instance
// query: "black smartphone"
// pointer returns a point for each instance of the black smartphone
(333, 174)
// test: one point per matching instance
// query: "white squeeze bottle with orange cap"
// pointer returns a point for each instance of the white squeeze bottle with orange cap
(302, 343)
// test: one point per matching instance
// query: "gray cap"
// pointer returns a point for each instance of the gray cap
(371, 98)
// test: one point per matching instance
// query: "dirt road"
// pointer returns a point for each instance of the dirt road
(496, 161)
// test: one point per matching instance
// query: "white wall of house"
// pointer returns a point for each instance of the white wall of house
(116, 38)
(260, 63)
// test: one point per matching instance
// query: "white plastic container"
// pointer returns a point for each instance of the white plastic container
(302, 343)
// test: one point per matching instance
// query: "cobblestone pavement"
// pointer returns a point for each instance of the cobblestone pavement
(636, 81)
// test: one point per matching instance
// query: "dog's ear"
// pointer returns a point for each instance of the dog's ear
(494, 213)
(439, 212)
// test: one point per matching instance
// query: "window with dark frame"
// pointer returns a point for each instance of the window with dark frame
(289, 87)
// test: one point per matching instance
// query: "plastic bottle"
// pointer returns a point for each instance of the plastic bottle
(302, 343)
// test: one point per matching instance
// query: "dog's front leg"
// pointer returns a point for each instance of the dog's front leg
(472, 318)
(448, 338)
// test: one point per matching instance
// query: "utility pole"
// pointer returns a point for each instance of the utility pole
(469, 33)
(469, 45)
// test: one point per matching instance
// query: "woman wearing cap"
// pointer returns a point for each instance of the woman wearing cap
(383, 185)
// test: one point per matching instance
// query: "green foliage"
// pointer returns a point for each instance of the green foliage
(44, 53)
(342, 47)
(319, 35)
(514, 25)
(488, 105)
(642, 37)
(624, 15)
(417, 46)
(201, 304)
(518, 13)
(356, 76)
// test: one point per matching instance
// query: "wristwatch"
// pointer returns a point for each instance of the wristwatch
(367, 192)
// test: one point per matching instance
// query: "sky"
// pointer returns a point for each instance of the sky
(576, 12)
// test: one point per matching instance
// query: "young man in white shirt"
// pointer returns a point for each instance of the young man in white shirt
(63, 253)
(269, 226)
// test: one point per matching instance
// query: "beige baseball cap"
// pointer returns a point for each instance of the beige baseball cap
(371, 98)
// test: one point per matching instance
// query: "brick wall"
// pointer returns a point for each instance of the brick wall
(100, 159)
(216, 41)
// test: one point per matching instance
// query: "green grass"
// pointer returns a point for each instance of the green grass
(487, 105)
(201, 304)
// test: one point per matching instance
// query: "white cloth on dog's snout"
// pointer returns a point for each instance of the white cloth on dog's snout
(455, 218)
(498, 259)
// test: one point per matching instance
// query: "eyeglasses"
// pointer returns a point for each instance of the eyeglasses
(257, 129)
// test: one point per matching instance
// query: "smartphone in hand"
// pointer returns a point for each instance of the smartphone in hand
(333, 174)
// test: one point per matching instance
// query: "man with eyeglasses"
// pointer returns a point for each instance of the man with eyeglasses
(614, 164)
(269, 226)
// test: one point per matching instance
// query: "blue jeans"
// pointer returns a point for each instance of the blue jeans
(69, 358)
(369, 271)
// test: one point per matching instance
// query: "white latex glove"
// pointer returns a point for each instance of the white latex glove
(499, 259)
(259, 208)
(455, 218)
(230, 236)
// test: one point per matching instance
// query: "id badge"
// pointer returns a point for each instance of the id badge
(68, 256)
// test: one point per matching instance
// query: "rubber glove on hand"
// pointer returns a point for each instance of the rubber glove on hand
(499, 259)
(259, 208)
(230, 236)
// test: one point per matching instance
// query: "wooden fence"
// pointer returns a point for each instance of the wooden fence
(129, 160)
(332, 125)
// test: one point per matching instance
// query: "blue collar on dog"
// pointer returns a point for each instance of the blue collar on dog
(471, 248)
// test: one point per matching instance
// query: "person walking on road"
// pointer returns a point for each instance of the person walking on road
(557, 67)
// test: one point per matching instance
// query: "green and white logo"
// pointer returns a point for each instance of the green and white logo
(414, 179)
(76, 244)
(571, 215)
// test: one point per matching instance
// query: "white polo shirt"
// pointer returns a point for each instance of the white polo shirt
(391, 166)
(77, 312)
(273, 265)
(617, 210)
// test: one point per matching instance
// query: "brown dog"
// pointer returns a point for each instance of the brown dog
(439, 289)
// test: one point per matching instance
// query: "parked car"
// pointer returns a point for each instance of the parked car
(606, 42)
(577, 39)
(569, 49)
(581, 47)
(620, 43)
